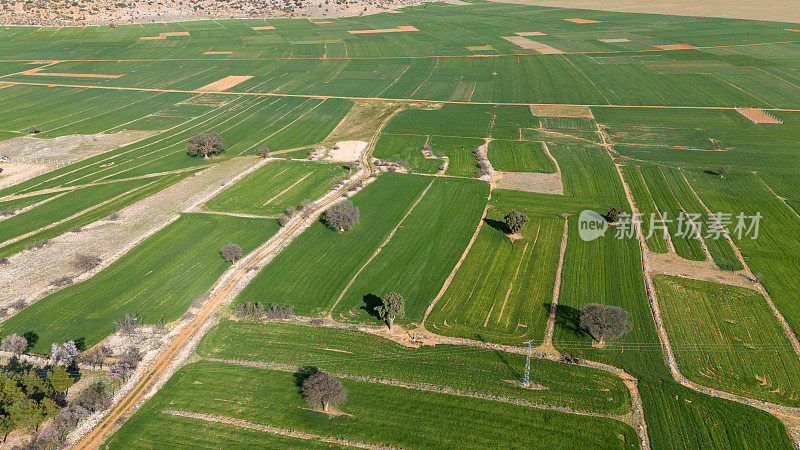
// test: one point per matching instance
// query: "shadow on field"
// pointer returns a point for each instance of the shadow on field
(502, 357)
(32, 339)
(498, 225)
(302, 375)
(567, 317)
(371, 303)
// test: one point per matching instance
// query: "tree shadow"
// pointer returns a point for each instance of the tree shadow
(32, 338)
(371, 303)
(712, 172)
(498, 225)
(302, 375)
(567, 317)
(80, 343)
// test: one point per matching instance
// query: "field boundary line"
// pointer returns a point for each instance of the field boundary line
(667, 236)
(270, 429)
(287, 189)
(547, 343)
(288, 124)
(514, 279)
(783, 199)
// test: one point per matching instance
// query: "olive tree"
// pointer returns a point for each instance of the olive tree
(231, 252)
(205, 143)
(392, 307)
(515, 221)
(604, 321)
(723, 171)
(322, 389)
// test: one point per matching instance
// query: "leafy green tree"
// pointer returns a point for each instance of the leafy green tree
(515, 221)
(322, 389)
(392, 307)
(206, 143)
(604, 321)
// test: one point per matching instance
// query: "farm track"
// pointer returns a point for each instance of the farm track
(228, 284)
(390, 100)
(547, 343)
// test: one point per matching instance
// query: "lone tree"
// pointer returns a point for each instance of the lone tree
(32, 130)
(723, 171)
(342, 216)
(322, 389)
(263, 152)
(14, 344)
(613, 214)
(515, 220)
(205, 143)
(392, 307)
(604, 321)
(231, 252)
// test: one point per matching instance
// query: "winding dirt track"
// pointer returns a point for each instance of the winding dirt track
(116, 417)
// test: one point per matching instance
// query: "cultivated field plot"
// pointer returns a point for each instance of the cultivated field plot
(214, 388)
(727, 338)
(157, 281)
(520, 156)
(276, 186)
(503, 289)
(459, 367)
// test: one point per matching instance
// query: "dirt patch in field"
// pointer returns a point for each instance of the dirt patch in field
(28, 275)
(562, 111)
(225, 83)
(37, 70)
(676, 47)
(400, 29)
(346, 151)
(64, 149)
(614, 41)
(268, 27)
(545, 183)
(217, 53)
(164, 35)
(530, 33)
(532, 45)
(576, 20)
(758, 116)
(672, 264)
(17, 172)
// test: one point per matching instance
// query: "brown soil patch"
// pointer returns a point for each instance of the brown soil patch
(67, 149)
(324, 21)
(225, 83)
(583, 21)
(17, 172)
(562, 111)
(791, 29)
(268, 27)
(533, 45)
(676, 47)
(545, 183)
(530, 33)
(614, 41)
(217, 53)
(758, 116)
(672, 264)
(164, 35)
(36, 71)
(400, 29)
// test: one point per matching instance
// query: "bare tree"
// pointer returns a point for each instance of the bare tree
(723, 171)
(63, 355)
(85, 263)
(127, 325)
(263, 152)
(231, 252)
(283, 219)
(14, 344)
(205, 143)
(604, 321)
(322, 389)
(515, 220)
(342, 216)
(392, 307)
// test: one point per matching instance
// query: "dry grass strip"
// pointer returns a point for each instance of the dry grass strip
(62, 74)
(576, 20)
(676, 47)
(533, 45)
(164, 35)
(268, 27)
(530, 33)
(757, 115)
(225, 83)
(399, 29)
(217, 53)
(614, 41)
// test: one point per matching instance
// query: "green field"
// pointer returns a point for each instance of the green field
(158, 280)
(519, 156)
(274, 400)
(276, 186)
(727, 338)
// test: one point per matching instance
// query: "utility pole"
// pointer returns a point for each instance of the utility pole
(526, 381)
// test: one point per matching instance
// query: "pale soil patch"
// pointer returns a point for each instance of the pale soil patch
(268, 27)
(530, 33)
(676, 47)
(37, 70)
(346, 151)
(545, 183)
(400, 29)
(17, 172)
(614, 41)
(164, 35)
(480, 48)
(225, 83)
(217, 53)
(756, 115)
(583, 20)
(457, 2)
(532, 45)
(562, 111)
(29, 273)
(672, 264)
(68, 148)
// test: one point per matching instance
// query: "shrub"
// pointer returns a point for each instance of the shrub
(7, 213)
(37, 244)
(231, 252)
(32, 130)
(283, 219)
(342, 216)
(290, 211)
(113, 217)
(250, 310)
(4, 261)
(85, 263)
(61, 282)
(276, 312)
(263, 152)
(127, 325)
(76, 230)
